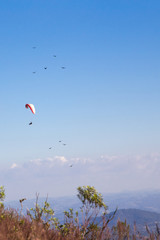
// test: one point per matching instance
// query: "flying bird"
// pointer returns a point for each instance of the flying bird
(45, 68)
(64, 144)
(30, 123)
(63, 67)
(54, 56)
(71, 165)
(50, 147)
(33, 72)
(60, 140)
(34, 47)
(21, 200)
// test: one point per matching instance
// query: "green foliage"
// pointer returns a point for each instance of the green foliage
(42, 214)
(40, 224)
(2, 195)
(92, 206)
(89, 196)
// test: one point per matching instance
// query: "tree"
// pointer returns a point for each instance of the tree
(92, 207)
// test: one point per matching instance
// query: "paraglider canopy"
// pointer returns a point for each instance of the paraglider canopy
(31, 106)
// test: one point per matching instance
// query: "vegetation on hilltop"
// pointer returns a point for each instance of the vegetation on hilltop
(39, 223)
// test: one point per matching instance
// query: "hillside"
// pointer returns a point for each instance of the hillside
(148, 201)
(143, 200)
(140, 217)
(138, 214)
(69, 223)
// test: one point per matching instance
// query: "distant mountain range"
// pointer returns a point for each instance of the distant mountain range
(140, 207)
(140, 217)
(149, 201)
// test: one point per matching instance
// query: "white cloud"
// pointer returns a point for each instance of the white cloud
(14, 165)
(48, 161)
(37, 161)
(78, 160)
(113, 163)
(61, 159)
(146, 164)
(136, 162)
(107, 173)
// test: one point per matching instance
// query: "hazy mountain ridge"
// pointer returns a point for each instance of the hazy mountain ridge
(146, 202)
(139, 217)
(149, 201)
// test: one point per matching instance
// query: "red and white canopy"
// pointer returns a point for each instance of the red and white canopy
(31, 106)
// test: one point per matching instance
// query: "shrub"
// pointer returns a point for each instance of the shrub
(40, 224)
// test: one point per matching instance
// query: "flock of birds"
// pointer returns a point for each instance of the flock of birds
(60, 141)
(34, 72)
(64, 144)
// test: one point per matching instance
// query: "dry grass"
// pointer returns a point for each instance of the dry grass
(39, 223)
(17, 227)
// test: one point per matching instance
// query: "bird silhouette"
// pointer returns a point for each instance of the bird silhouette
(63, 67)
(54, 56)
(45, 68)
(33, 72)
(34, 47)
(71, 165)
(30, 123)
(21, 200)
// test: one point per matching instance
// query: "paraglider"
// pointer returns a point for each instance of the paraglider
(31, 106)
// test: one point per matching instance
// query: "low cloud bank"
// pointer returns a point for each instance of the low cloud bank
(59, 176)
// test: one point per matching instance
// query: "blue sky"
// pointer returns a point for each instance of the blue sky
(105, 103)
